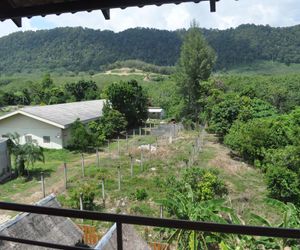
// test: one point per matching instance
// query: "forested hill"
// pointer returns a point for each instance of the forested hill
(79, 49)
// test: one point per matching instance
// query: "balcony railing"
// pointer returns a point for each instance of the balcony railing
(120, 219)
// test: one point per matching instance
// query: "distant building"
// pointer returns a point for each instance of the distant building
(4, 160)
(52, 229)
(49, 126)
(156, 113)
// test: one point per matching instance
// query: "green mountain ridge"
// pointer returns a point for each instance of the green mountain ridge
(81, 49)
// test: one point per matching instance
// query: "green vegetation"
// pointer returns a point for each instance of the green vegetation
(129, 99)
(256, 116)
(78, 49)
(24, 154)
(195, 65)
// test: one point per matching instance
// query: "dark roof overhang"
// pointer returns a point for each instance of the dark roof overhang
(17, 9)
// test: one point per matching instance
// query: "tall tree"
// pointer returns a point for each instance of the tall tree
(195, 65)
(130, 99)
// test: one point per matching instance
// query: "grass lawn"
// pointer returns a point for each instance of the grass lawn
(14, 189)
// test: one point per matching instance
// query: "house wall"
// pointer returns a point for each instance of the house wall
(24, 125)
(4, 160)
(66, 136)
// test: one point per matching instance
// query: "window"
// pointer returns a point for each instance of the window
(28, 138)
(46, 139)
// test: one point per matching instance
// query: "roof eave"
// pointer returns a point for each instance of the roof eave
(17, 13)
(34, 117)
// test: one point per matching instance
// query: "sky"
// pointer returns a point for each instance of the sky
(230, 14)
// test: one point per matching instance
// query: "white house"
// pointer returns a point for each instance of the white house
(4, 160)
(156, 113)
(49, 126)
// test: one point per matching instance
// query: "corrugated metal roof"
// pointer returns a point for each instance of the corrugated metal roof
(40, 227)
(66, 113)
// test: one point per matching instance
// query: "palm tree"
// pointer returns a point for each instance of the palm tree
(25, 154)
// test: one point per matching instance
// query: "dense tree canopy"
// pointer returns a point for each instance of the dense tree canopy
(79, 49)
(130, 99)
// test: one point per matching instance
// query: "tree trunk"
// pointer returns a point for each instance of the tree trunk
(20, 166)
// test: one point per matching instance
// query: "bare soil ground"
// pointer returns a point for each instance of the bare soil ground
(247, 188)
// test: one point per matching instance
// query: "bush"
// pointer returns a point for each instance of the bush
(283, 184)
(88, 196)
(188, 124)
(205, 183)
(141, 194)
(253, 138)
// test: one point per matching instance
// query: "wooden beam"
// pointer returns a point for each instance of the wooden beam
(212, 5)
(17, 21)
(79, 5)
(106, 13)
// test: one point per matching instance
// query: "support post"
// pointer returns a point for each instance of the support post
(82, 165)
(119, 236)
(81, 201)
(140, 130)
(43, 184)
(97, 155)
(103, 192)
(161, 211)
(118, 145)
(119, 178)
(131, 165)
(66, 175)
(126, 141)
(133, 134)
(141, 161)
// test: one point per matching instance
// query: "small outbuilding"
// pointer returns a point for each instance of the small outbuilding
(156, 113)
(49, 125)
(5, 163)
(52, 229)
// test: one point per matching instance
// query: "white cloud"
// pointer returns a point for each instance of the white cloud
(8, 27)
(230, 13)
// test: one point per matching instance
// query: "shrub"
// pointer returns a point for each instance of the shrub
(88, 196)
(253, 138)
(141, 194)
(283, 184)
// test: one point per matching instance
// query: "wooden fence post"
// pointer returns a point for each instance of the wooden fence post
(119, 178)
(131, 165)
(103, 192)
(118, 145)
(141, 161)
(65, 174)
(97, 155)
(81, 203)
(43, 184)
(82, 165)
